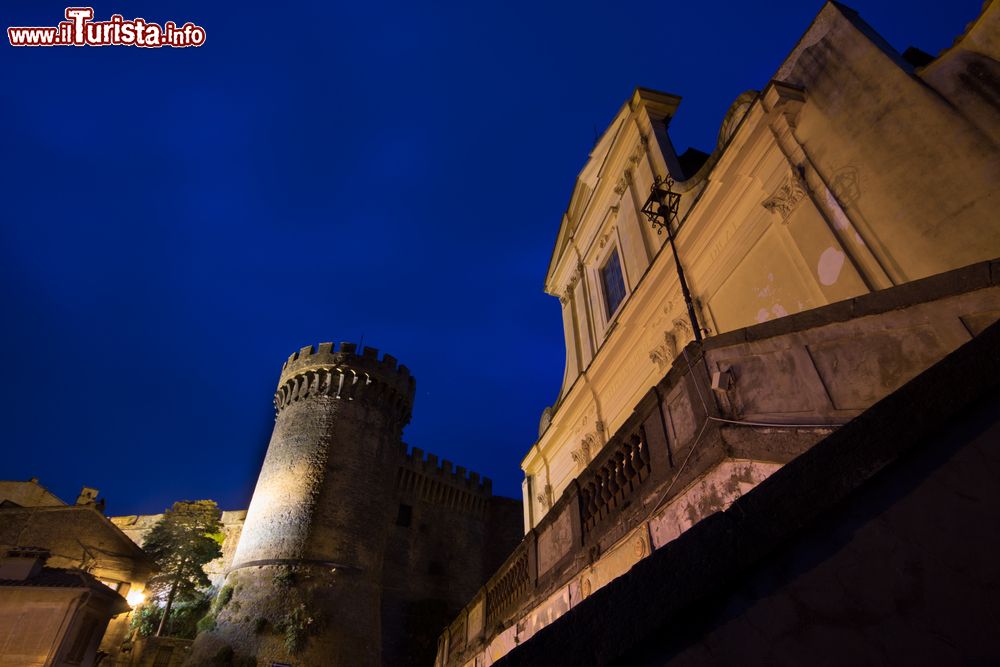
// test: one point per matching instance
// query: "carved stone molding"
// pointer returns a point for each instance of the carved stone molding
(573, 280)
(585, 452)
(639, 150)
(683, 326)
(604, 238)
(545, 497)
(786, 197)
(664, 353)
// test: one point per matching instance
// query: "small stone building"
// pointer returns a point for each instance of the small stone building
(51, 617)
(76, 538)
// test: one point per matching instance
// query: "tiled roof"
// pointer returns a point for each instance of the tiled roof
(51, 577)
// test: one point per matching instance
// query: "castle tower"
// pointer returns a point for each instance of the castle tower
(306, 576)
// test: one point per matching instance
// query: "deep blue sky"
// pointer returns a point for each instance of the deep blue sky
(176, 222)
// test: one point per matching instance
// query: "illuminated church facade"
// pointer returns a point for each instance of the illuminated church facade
(727, 314)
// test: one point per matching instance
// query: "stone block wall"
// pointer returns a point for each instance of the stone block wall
(448, 535)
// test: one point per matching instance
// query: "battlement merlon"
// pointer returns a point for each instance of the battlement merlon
(346, 355)
(427, 465)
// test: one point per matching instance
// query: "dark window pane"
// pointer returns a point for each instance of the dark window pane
(614, 285)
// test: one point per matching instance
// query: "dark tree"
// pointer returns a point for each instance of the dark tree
(187, 537)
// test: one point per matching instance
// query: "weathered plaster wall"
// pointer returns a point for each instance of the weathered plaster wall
(716, 491)
(968, 73)
(915, 176)
(846, 174)
(33, 620)
(876, 546)
(735, 408)
(55, 617)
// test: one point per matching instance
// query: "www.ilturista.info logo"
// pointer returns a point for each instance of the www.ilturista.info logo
(79, 29)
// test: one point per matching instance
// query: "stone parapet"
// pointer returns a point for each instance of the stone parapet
(345, 375)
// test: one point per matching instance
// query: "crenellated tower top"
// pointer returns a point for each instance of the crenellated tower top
(343, 373)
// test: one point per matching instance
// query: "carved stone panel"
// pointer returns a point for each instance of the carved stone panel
(786, 197)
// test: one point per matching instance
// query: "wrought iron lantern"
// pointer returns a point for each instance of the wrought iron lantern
(661, 207)
(661, 211)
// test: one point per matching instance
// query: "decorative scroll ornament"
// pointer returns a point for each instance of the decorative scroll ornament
(585, 452)
(683, 326)
(786, 197)
(639, 150)
(545, 497)
(604, 238)
(664, 353)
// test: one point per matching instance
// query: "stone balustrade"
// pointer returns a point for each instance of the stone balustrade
(730, 411)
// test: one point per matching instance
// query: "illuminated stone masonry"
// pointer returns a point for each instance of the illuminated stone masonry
(354, 551)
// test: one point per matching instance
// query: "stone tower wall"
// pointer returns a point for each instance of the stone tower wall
(334, 446)
(310, 555)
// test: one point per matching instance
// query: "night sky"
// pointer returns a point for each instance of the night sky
(176, 222)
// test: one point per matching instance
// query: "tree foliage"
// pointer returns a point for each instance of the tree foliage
(180, 544)
(185, 616)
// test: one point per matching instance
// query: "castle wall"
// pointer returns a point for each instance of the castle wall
(137, 527)
(307, 569)
(458, 533)
(352, 551)
(448, 535)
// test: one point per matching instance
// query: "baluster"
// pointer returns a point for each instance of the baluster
(607, 492)
(620, 478)
(630, 470)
